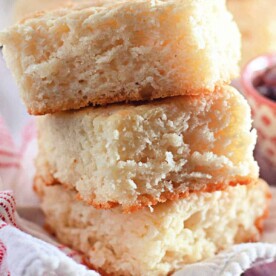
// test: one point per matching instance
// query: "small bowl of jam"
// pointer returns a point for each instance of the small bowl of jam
(258, 82)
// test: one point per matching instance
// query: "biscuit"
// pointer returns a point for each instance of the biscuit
(137, 155)
(159, 240)
(118, 51)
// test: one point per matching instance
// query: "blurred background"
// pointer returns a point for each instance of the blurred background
(257, 22)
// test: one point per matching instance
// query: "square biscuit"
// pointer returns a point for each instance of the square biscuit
(109, 51)
(137, 155)
(160, 240)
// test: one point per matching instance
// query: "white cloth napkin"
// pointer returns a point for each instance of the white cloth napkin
(232, 262)
(23, 254)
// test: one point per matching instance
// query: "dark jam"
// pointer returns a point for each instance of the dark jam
(265, 83)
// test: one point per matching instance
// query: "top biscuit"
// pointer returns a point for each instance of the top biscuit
(109, 51)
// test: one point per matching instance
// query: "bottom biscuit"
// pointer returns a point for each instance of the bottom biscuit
(161, 239)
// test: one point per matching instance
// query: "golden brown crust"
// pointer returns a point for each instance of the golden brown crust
(132, 96)
(259, 223)
(105, 205)
(147, 200)
(88, 264)
(48, 228)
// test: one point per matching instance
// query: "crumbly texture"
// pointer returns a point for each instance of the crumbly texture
(162, 239)
(110, 51)
(256, 21)
(139, 155)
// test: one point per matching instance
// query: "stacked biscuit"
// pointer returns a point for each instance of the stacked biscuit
(158, 172)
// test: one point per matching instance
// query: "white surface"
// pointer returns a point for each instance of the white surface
(30, 256)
